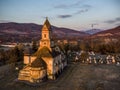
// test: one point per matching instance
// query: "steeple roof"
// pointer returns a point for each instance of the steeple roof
(47, 23)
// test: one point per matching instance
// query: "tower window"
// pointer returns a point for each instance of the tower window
(44, 35)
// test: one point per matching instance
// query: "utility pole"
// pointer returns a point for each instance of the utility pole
(92, 26)
(91, 38)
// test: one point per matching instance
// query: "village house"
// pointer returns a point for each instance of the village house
(47, 63)
(73, 42)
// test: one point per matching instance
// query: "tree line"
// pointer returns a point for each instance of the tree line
(11, 56)
(96, 46)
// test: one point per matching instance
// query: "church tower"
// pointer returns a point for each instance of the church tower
(46, 37)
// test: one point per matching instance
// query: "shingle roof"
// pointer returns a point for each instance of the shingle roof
(39, 62)
(45, 52)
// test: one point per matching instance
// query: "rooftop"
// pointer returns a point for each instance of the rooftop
(39, 62)
(45, 52)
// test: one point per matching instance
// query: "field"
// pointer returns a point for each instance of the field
(75, 77)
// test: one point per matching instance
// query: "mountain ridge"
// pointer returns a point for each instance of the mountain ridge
(93, 31)
(112, 32)
(26, 32)
(23, 32)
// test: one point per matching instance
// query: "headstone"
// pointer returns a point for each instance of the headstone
(118, 64)
(95, 61)
(113, 60)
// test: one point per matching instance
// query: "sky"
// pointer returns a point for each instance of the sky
(75, 14)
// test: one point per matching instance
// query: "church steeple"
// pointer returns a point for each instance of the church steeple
(46, 30)
(46, 37)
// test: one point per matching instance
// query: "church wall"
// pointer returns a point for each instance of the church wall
(64, 61)
(29, 59)
(45, 43)
(32, 74)
(57, 64)
(49, 62)
(26, 59)
(45, 34)
(37, 74)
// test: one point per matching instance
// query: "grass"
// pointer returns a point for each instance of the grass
(75, 77)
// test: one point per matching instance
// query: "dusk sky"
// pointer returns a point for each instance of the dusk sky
(74, 14)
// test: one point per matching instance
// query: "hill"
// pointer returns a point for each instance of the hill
(106, 36)
(113, 33)
(25, 32)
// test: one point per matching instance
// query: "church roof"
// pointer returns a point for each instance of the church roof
(45, 52)
(39, 62)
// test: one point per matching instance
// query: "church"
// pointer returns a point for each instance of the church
(47, 62)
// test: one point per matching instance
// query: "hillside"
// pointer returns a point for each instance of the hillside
(113, 33)
(106, 36)
(25, 32)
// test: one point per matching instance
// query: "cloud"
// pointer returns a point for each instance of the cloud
(110, 21)
(64, 16)
(73, 14)
(77, 3)
(66, 6)
(116, 20)
(79, 8)
(81, 11)
(62, 6)
(70, 15)
(86, 6)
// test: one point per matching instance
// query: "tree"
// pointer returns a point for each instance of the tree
(34, 46)
(15, 55)
(2, 57)
(82, 46)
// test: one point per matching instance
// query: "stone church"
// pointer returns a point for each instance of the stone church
(47, 63)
